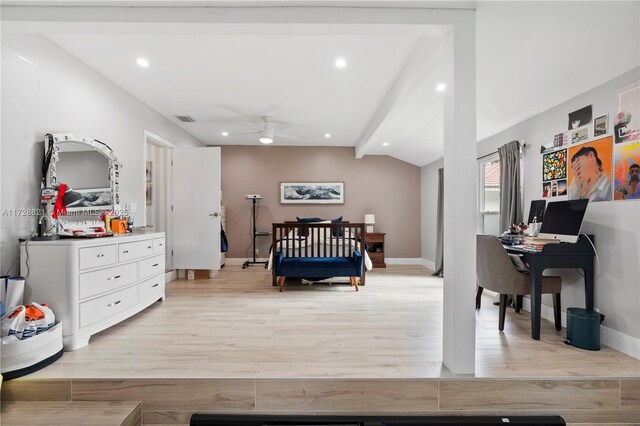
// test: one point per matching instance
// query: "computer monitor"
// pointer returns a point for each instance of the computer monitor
(563, 220)
(536, 211)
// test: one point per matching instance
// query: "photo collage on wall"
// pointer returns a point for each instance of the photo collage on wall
(603, 166)
(554, 174)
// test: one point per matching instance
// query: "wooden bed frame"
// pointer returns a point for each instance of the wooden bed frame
(326, 248)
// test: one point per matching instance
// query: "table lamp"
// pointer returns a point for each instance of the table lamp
(369, 220)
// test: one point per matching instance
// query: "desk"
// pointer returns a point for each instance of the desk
(561, 256)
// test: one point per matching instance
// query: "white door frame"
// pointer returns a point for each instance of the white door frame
(153, 139)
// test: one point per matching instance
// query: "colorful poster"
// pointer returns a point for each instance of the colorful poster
(554, 165)
(626, 126)
(590, 170)
(626, 171)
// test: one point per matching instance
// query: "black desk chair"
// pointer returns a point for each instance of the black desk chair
(496, 272)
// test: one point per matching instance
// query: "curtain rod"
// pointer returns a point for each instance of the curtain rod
(523, 145)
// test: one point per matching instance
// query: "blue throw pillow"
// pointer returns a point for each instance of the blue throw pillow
(339, 231)
(303, 232)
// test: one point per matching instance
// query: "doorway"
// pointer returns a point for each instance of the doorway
(158, 155)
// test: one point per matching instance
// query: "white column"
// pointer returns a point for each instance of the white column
(460, 188)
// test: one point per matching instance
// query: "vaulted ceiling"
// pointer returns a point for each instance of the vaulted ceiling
(530, 57)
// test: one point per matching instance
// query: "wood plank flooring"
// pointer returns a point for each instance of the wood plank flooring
(238, 326)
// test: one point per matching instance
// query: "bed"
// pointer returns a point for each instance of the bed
(318, 251)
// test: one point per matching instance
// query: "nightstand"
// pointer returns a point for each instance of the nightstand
(375, 241)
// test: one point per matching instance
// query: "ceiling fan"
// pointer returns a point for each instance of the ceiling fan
(269, 131)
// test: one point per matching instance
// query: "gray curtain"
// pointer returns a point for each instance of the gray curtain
(440, 226)
(510, 197)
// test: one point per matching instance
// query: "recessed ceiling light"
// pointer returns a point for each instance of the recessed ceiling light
(327, 135)
(225, 133)
(385, 144)
(341, 63)
(266, 139)
(142, 62)
(441, 87)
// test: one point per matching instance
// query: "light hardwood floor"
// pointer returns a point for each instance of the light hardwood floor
(237, 325)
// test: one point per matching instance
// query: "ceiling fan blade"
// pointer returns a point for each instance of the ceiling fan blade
(281, 126)
(243, 134)
(288, 136)
(246, 123)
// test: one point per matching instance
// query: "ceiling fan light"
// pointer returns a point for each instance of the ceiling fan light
(265, 139)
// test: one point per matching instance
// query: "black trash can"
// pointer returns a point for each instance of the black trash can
(583, 328)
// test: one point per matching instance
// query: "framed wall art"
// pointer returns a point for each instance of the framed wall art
(312, 193)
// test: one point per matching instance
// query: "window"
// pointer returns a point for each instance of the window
(489, 195)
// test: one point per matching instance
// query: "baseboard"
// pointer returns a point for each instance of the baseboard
(170, 276)
(614, 339)
(403, 261)
(238, 261)
(428, 264)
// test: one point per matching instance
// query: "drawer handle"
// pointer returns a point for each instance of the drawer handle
(148, 247)
(100, 255)
(155, 285)
(114, 277)
(154, 265)
(114, 303)
(160, 245)
(125, 251)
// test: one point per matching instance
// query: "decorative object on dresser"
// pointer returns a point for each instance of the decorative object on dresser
(375, 242)
(370, 220)
(94, 283)
(79, 174)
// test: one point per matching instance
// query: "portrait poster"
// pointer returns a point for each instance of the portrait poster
(626, 171)
(589, 170)
(554, 165)
(626, 126)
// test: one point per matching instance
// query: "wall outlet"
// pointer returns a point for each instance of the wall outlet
(191, 274)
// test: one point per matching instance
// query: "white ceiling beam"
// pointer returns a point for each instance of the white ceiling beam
(424, 60)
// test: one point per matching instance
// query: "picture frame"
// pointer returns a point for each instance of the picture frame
(89, 199)
(149, 171)
(148, 193)
(600, 125)
(579, 135)
(312, 193)
(579, 118)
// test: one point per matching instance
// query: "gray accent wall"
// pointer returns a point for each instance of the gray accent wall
(615, 224)
(384, 186)
(47, 90)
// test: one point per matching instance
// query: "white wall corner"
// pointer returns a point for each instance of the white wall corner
(430, 264)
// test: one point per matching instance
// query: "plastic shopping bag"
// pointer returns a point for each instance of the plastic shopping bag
(41, 316)
(15, 323)
(26, 321)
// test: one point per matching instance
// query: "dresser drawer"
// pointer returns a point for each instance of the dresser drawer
(106, 306)
(94, 257)
(105, 280)
(158, 245)
(152, 289)
(136, 250)
(151, 267)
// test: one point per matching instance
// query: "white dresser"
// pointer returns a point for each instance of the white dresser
(92, 284)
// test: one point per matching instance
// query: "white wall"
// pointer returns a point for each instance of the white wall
(429, 211)
(47, 90)
(616, 225)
